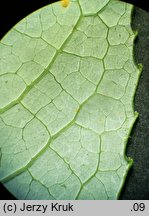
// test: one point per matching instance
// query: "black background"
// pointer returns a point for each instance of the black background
(137, 183)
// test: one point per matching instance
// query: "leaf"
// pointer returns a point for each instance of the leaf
(67, 83)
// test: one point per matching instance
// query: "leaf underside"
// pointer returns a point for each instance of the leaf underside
(67, 83)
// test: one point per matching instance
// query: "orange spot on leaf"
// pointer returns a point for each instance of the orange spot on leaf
(65, 3)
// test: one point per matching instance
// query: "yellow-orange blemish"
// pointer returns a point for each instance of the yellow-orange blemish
(65, 3)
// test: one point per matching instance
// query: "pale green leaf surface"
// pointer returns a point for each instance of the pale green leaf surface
(67, 82)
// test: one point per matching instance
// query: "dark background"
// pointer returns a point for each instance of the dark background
(137, 183)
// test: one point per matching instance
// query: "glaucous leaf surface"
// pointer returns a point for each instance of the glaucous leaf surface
(67, 82)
